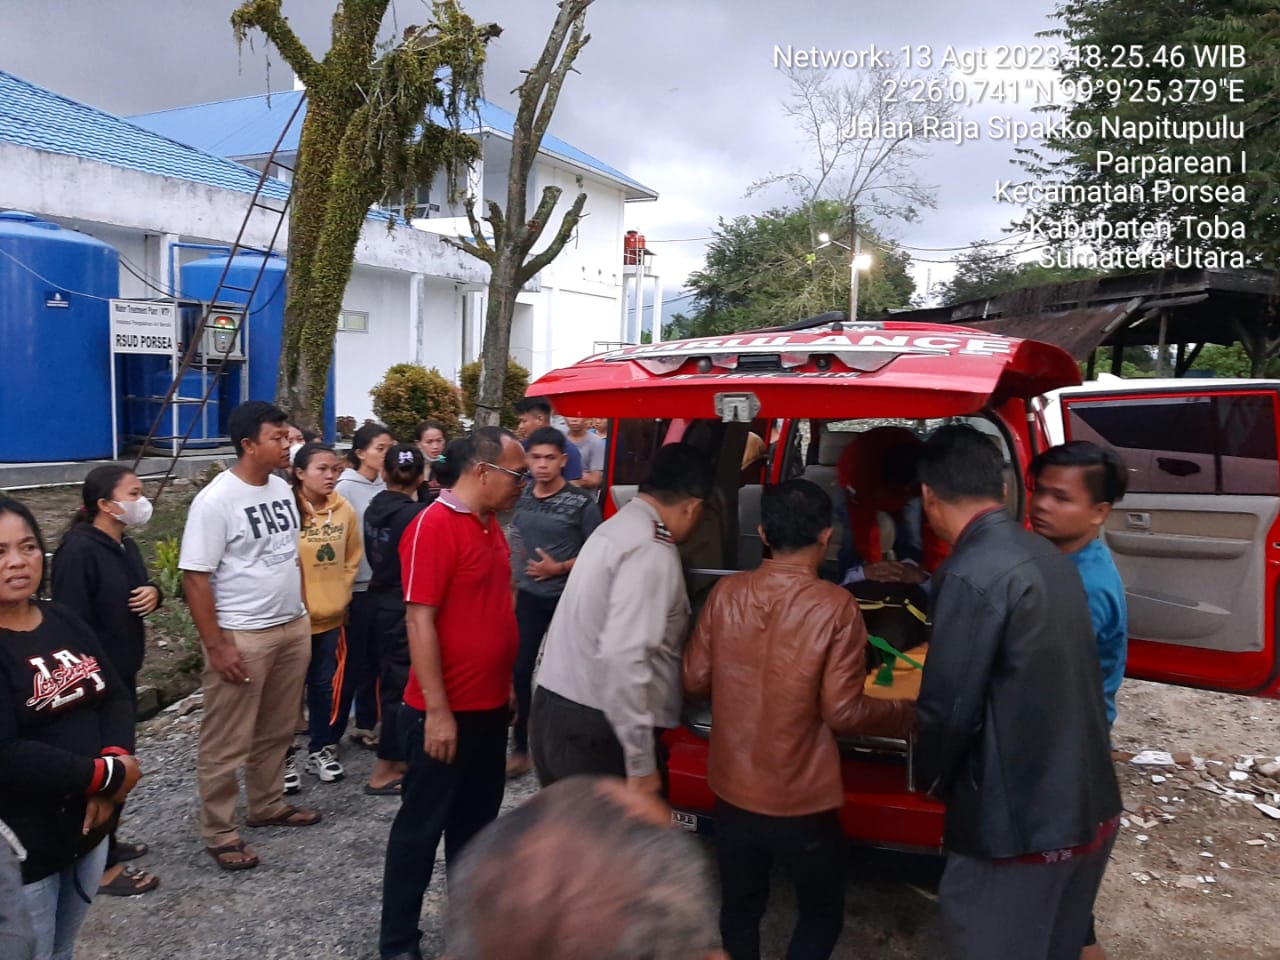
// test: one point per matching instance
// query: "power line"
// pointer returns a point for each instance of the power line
(55, 285)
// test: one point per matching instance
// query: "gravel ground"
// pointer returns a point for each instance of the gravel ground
(317, 891)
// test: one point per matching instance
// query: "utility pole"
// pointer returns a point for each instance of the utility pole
(855, 248)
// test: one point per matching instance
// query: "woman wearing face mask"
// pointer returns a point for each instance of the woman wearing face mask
(66, 733)
(98, 572)
(359, 484)
(329, 550)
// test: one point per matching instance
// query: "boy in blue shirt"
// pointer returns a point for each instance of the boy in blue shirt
(1074, 486)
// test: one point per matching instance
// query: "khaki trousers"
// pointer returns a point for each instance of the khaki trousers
(250, 725)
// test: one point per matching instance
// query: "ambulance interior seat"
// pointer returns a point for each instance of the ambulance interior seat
(822, 471)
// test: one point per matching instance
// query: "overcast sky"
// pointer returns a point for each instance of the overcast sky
(682, 95)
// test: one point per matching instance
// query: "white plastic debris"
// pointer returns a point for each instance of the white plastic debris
(1153, 758)
(1158, 779)
(1256, 843)
(1142, 838)
(1238, 775)
(1270, 811)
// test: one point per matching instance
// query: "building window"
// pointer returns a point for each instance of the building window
(353, 321)
(422, 207)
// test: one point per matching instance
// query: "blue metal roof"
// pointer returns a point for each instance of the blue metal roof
(248, 127)
(43, 120)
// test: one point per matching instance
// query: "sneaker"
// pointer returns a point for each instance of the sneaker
(324, 764)
(292, 779)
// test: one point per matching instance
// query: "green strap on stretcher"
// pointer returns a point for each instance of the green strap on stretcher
(884, 676)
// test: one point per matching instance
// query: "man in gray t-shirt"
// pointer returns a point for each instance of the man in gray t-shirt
(553, 519)
(593, 451)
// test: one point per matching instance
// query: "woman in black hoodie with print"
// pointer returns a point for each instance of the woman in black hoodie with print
(66, 724)
(99, 573)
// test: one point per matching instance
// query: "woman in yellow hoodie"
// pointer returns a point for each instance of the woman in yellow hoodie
(329, 551)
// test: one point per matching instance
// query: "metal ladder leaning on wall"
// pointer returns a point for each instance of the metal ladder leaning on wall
(171, 398)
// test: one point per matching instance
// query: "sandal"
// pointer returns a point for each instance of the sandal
(391, 789)
(288, 817)
(364, 738)
(124, 850)
(129, 883)
(221, 856)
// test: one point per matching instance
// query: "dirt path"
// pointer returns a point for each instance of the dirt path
(316, 894)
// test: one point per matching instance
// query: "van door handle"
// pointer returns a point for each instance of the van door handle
(1137, 521)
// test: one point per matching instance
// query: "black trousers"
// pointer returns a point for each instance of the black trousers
(393, 667)
(811, 852)
(533, 616)
(567, 738)
(454, 800)
(1020, 911)
(360, 669)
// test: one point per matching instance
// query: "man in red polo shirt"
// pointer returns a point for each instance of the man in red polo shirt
(462, 644)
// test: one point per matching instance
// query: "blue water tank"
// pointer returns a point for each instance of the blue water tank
(55, 361)
(266, 320)
(151, 376)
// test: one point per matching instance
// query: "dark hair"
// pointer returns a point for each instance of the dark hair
(306, 453)
(1105, 475)
(99, 484)
(307, 435)
(960, 463)
(21, 510)
(793, 514)
(365, 436)
(245, 421)
(484, 443)
(538, 405)
(301, 461)
(404, 465)
(548, 436)
(426, 425)
(679, 472)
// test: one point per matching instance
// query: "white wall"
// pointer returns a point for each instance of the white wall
(363, 358)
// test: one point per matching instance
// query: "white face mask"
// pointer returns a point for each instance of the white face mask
(293, 451)
(135, 512)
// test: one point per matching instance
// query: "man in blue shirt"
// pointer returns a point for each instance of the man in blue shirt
(535, 413)
(1074, 487)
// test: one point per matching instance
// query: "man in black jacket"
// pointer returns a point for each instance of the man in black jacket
(1012, 727)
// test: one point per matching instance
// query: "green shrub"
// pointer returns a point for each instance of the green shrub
(513, 389)
(168, 576)
(409, 394)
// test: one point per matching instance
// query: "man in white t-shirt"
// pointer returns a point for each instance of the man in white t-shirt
(244, 588)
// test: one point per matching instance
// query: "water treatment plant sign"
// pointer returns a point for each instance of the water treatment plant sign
(143, 326)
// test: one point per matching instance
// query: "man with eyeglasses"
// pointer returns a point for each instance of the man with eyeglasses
(462, 645)
(610, 676)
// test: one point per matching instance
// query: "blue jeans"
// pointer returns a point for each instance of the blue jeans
(57, 903)
(321, 702)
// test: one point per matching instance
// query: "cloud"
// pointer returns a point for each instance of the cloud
(682, 96)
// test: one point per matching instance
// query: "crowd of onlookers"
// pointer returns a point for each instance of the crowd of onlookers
(380, 588)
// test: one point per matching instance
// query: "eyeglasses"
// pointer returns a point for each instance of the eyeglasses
(520, 476)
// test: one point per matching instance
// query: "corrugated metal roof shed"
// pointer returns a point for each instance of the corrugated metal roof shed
(43, 120)
(248, 127)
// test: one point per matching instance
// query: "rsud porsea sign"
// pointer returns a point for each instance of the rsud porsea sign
(143, 327)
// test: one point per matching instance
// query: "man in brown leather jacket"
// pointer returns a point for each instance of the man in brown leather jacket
(782, 654)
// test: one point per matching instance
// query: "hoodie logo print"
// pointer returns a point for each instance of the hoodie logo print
(326, 553)
(64, 684)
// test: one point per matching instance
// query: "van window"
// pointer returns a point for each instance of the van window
(1189, 444)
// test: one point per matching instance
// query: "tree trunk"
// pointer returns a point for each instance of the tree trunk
(498, 317)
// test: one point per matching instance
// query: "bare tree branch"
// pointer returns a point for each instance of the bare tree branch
(568, 223)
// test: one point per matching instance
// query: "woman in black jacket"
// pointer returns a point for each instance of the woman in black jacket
(99, 573)
(66, 725)
(385, 520)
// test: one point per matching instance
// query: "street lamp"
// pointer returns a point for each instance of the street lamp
(858, 261)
